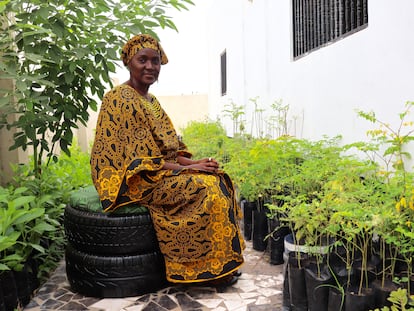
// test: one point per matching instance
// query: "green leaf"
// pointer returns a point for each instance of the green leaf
(3, 267)
(58, 27)
(38, 248)
(42, 227)
(36, 57)
(3, 5)
(43, 12)
(69, 77)
(22, 201)
(29, 215)
(36, 31)
(7, 242)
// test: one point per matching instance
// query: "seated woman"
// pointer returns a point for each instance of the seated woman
(138, 157)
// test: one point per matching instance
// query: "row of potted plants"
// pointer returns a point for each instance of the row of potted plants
(359, 197)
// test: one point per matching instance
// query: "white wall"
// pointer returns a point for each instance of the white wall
(369, 70)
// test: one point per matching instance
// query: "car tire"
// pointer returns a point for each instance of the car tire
(114, 276)
(100, 233)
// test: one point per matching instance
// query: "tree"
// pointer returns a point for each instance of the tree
(60, 54)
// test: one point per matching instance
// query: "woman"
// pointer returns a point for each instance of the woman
(137, 157)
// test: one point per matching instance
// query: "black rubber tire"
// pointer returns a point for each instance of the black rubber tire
(99, 233)
(114, 276)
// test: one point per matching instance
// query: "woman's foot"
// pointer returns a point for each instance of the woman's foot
(225, 281)
(237, 273)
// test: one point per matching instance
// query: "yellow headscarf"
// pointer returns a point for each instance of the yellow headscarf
(140, 42)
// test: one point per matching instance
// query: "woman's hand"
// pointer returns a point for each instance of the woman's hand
(206, 164)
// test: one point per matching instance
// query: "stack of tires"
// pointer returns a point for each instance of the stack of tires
(110, 255)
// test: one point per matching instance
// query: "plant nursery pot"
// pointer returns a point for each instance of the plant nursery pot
(24, 292)
(259, 230)
(370, 273)
(318, 282)
(344, 276)
(401, 266)
(33, 269)
(404, 283)
(383, 292)
(336, 300)
(412, 285)
(9, 289)
(2, 304)
(286, 294)
(276, 241)
(297, 285)
(363, 302)
(248, 208)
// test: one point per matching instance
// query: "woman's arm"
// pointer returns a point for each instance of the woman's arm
(185, 161)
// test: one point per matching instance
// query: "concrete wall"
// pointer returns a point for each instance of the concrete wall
(9, 157)
(185, 108)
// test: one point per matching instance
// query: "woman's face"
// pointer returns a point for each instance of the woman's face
(145, 67)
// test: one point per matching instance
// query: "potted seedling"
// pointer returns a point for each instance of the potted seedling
(392, 145)
(22, 224)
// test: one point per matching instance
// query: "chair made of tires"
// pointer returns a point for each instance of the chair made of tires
(110, 255)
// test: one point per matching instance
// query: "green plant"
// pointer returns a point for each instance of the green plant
(314, 162)
(22, 225)
(51, 192)
(72, 171)
(258, 164)
(278, 123)
(258, 122)
(235, 113)
(206, 139)
(355, 198)
(392, 147)
(60, 60)
(304, 168)
(58, 178)
(327, 199)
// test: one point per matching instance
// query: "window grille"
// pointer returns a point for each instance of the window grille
(319, 22)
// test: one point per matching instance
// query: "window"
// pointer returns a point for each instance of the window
(319, 22)
(223, 65)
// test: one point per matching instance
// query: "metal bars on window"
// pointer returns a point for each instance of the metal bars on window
(319, 22)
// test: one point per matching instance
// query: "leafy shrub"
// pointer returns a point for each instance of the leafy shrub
(45, 198)
(206, 139)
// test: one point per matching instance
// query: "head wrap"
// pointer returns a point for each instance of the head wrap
(140, 42)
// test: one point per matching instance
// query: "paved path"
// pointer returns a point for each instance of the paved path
(259, 289)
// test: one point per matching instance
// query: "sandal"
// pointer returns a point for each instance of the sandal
(237, 273)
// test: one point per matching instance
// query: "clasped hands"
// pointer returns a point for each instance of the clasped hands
(205, 164)
(208, 164)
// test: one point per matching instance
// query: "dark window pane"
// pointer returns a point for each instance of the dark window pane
(223, 65)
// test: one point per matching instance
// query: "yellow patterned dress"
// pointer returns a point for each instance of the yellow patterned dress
(194, 213)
